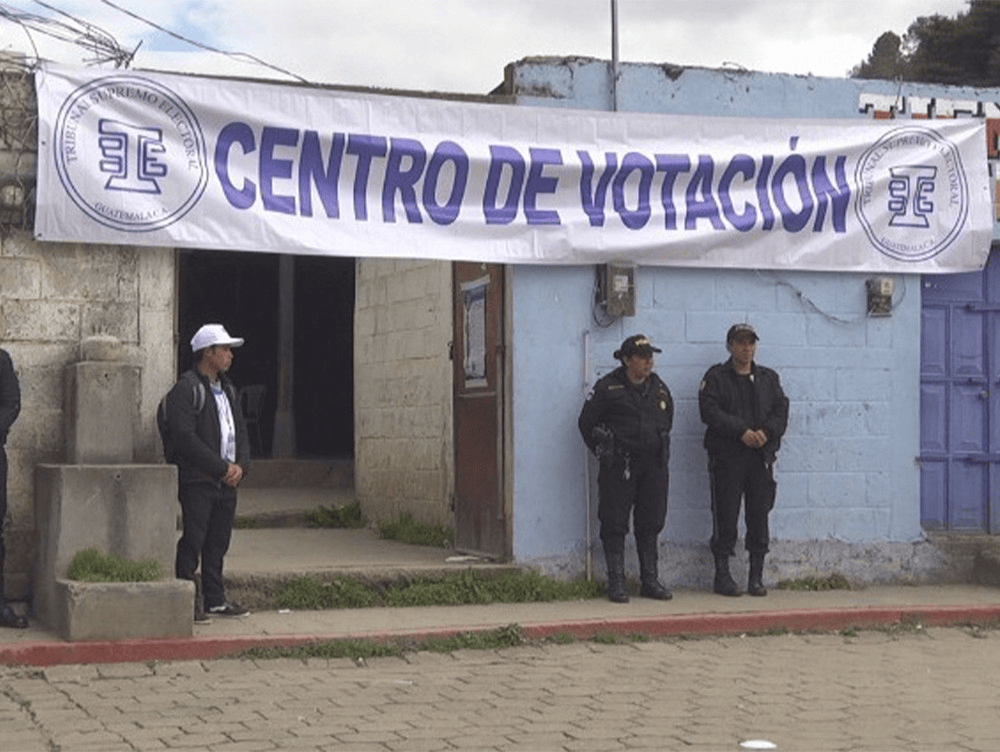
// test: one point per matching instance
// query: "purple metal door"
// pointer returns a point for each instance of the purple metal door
(960, 401)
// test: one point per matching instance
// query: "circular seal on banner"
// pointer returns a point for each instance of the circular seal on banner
(913, 195)
(130, 153)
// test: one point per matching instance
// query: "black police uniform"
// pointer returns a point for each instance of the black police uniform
(731, 403)
(628, 427)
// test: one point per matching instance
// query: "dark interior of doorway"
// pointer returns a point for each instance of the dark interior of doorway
(240, 291)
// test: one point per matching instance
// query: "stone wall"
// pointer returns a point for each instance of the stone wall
(402, 389)
(52, 296)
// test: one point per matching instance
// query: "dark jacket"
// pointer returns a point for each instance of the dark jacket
(639, 417)
(10, 395)
(197, 435)
(717, 402)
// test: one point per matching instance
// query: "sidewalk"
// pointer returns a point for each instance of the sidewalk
(289, 551)
(689, 613)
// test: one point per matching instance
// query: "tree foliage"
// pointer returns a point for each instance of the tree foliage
(964, 50)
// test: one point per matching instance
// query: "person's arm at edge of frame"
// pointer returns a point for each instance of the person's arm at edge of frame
(10, 395)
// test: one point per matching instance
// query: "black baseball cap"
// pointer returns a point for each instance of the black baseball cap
(741, 330)
(637, 343)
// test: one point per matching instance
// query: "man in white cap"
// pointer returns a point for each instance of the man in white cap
(211, 450)
(745, 412)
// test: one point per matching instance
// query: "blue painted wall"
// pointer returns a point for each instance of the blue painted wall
(847, 470)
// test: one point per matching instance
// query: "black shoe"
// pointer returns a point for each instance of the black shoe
(200, 617)
(10, 619)
(653, 589)
(756, 587)
(726, 585)
(617, 593)
(230, 610)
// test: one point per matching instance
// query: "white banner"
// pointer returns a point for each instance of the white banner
(134, 158)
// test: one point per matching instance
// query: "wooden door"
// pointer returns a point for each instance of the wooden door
(478, 366)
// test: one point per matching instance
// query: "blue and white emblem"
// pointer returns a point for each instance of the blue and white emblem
(130, 153)
(913, 197)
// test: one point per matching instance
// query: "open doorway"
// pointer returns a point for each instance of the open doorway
(240, 290)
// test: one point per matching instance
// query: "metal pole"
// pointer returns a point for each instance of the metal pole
(614, 55)
(283, 444)
(586, 458)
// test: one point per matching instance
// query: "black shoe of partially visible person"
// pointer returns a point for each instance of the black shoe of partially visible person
(230, 610)
(8, 618)
(200, 617)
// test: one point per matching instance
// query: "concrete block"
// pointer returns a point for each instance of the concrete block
(102, 401)
(128, 510)
(41, 320)
(124, 610)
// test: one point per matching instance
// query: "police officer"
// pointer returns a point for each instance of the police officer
(626, 422)
(745, 412)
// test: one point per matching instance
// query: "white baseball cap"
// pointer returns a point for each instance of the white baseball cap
(213, 334)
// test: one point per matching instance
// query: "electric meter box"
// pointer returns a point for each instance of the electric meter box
(619, 289)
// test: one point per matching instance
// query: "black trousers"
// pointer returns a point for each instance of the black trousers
(207, 512)
(742, 475)
(632, 485)
(3, 513)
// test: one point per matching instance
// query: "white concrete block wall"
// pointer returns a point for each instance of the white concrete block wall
(402, 389)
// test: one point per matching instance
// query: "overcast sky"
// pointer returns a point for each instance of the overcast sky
(463, 45)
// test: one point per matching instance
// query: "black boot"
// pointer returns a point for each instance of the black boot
(8, 618)
(651, 586)
(724, 582)
(755, 582)
(614, 555)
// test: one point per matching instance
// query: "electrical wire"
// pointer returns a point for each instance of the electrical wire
(102, 46)
(95, 40)
(241, 56)
(808, 303)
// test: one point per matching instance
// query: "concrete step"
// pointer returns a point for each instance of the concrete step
(301, 473)
(280, 546)
(261, 562)
(287, 506)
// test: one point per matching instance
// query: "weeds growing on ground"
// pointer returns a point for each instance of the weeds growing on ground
(353, 649)
(833, 581)
(454, 589)
(469, 587)
(309, 594)
(408, 530)
(91, 565)
(345, 516)
(504, 637)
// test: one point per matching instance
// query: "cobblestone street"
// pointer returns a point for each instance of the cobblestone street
(877, 691)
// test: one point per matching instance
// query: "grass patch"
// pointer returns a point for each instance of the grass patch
(91, 565)
(504, 637)
(408, 530)
(468, 587)
(608, 638)
(345, 516)
(834, 581)
(309, 594)
(353, 649)
(455, 589)
(245, 522)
